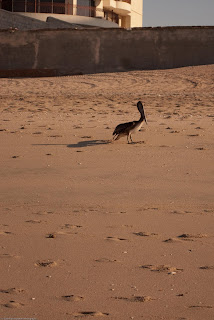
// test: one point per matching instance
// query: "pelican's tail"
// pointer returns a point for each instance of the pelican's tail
(141, 110)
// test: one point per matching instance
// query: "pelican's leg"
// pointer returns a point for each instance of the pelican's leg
(128, 138)
(131, 138)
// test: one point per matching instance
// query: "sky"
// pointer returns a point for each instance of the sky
(178, 13)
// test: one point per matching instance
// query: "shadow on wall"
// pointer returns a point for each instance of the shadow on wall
(28, 73)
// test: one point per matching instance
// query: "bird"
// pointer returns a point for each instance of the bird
(126, 129)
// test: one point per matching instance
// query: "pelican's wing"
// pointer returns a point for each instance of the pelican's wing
(123, 127)
(141, 110)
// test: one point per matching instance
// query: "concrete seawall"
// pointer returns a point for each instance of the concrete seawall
(67, 52)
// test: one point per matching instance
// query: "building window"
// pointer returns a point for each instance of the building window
(83, 8)
(86, 8)
(43, 6)
(7, 5)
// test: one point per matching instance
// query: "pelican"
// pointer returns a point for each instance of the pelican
(126, 129)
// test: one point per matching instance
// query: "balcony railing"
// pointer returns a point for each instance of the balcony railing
(111, 16)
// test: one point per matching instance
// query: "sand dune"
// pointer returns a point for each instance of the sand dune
(95, 229)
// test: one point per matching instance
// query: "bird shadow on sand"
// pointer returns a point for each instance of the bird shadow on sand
(80, 144)
(88, 143)
(92, 143)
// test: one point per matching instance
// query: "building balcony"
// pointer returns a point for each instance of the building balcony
(122, 7)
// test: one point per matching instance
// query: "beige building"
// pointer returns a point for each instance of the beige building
(103, 13)
(128, 13)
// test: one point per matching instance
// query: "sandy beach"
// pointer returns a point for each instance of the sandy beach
(95, 229)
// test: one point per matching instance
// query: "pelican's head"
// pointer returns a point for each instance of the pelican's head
(141, 110)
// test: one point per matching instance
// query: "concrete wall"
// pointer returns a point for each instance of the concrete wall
(64, 52)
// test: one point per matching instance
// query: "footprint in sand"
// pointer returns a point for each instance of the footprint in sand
(5, 232)
(90, 313)
(33, 221)
(114, 213)
(208, 211)
(145, 234)
(172, 240)
(115, 239)
(50, 235)
(162, 268)
(55, 136)
(70, 226)
(191, 237)
(43, 213)
(207, 268)
(135, 298)
(106, 260)
(180, 212)
(13, 304)
(66, 230)
(163, 146)
(12, 290)
(147, 208)
(46, 263)
(201, 306)
(72, 298)
(8, 255)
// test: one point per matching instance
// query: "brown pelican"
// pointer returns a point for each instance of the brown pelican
(126, 129)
